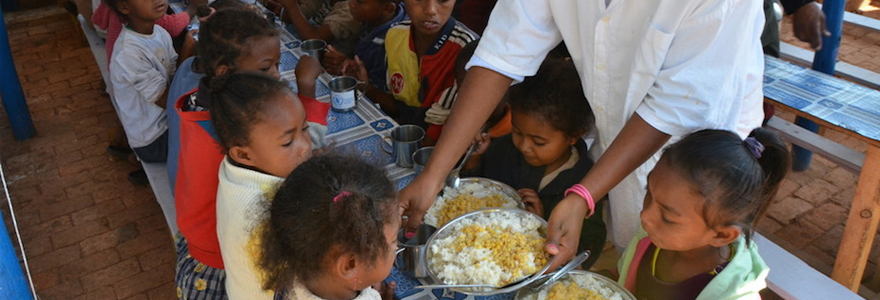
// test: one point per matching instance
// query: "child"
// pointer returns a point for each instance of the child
(188, 75)
(703, 196)
(377, 16)
(230, 41)
(140, 71)
(328, 20)
(110, 20)
(262, 128)
(330, 232)
(421, 56)
(545, 155)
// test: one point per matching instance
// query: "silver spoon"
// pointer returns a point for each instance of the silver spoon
(453, 179)
(577, 261)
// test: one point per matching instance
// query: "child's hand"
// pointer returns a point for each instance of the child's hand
(334, 60)
(483, 140)
(532, 202)
(386, 290)
(355, 68)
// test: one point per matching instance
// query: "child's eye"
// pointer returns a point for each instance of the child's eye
(287, 144)
(665, 220)
(540, 144)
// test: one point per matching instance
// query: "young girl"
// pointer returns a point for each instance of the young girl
(544, 155)
(702, 199)
(230, 41)
(331, 231)
(263, 131)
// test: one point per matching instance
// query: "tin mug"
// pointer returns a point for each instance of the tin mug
(314, 48)
(405, 141)
(343, 93)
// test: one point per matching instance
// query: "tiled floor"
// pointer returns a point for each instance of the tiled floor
(90, 234)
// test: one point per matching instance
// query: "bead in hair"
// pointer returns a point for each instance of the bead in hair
(754, 146)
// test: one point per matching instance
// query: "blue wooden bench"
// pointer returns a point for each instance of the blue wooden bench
(850, 109)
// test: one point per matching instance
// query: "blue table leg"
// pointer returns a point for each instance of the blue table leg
(11, 92)
(824, 61)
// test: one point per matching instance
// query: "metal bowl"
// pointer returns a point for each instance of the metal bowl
(530, 290)
(447, 230)
(506, 190)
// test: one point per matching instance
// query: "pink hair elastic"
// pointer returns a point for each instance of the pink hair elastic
(341, 195)
(582, 191)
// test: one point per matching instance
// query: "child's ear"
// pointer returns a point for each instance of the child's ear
(346, 266)
(389, 7)
(123, 8)
(724, 235)
(241, 155)
(220, 70)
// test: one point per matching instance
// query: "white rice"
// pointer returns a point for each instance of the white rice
(476, 189)
(473, 265)
(585, 281)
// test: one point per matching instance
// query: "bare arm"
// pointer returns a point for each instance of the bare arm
(303, 28)
(480, 93)
(635, 144)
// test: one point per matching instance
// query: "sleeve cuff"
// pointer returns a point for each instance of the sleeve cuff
(476, 61)
(661, 124)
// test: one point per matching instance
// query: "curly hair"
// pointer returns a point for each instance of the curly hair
(554, 95)
(226, 35)
(736, 184)
(238, 102)
(328, 201)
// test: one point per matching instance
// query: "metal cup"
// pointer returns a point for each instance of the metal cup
(404, 142)
(420, 159)
(343, 95)
(411, 260)
(314, 48)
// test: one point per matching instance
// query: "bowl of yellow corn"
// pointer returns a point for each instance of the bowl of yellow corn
(472, 194)
(577, 285)
(496, 246)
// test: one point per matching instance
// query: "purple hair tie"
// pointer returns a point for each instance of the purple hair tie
(754, 146)
(341, 195)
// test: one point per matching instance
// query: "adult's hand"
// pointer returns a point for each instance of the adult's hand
(809, 25)
(480, 93)
(564, 231)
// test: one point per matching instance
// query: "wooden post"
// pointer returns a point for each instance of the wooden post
(861, 225)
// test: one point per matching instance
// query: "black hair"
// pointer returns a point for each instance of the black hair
(328, 201)
(224, 36)
(238, 101)
(556, 96)
(114, 5)
(728, 173)
(228, 4)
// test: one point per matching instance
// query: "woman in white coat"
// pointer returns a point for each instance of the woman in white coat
(651, 71)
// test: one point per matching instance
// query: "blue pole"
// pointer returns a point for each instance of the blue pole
(11, 92)
(824, 61)
(13, 284)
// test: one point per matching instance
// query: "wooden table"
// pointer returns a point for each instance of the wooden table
(855, 111)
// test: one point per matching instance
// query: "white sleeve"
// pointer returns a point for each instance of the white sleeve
(712, 71)
(138, 72)
(519, 35)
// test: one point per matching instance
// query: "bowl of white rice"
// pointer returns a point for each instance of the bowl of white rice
(576, 285)
(472, 194)
(495, 246)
